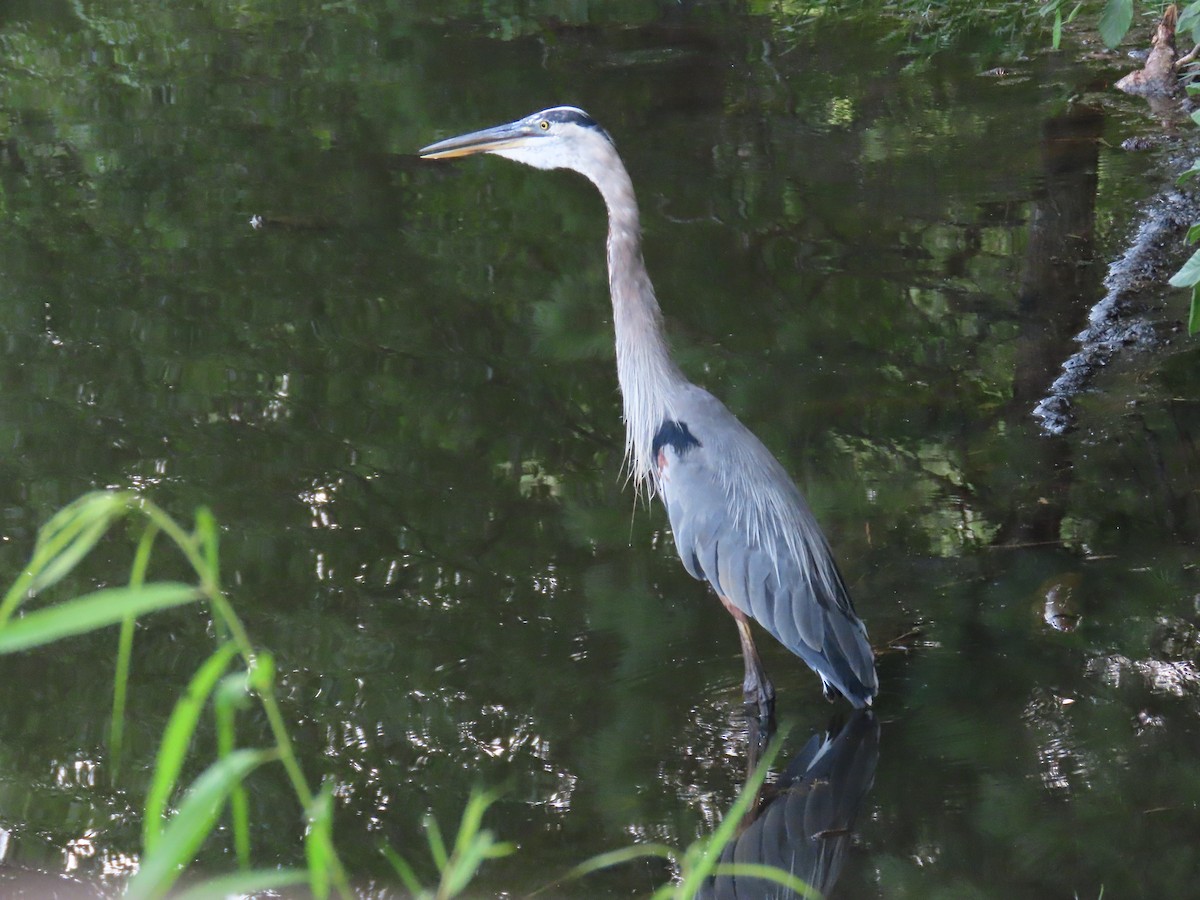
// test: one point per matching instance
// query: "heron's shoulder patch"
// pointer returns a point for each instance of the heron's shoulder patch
(674, 434)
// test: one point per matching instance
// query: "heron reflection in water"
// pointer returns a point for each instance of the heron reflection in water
(739, 522)
(805, 824)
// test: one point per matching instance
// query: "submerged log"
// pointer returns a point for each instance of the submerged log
(1158, 78)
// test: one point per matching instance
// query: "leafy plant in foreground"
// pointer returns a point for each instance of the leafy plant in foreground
(171, 841)
(472, 846)
(235, 675)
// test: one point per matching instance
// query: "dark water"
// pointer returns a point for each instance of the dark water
(398, 396)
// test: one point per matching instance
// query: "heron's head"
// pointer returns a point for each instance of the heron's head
(562, 137)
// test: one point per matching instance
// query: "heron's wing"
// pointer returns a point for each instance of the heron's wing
(741, 524)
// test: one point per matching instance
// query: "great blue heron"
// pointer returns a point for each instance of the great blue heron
(739, 521)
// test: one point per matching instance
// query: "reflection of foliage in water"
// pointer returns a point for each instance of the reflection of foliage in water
(923, 27)
(400, 392)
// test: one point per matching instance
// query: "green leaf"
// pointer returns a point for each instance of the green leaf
(195, 820)
(116, 727)
(175, 741)
(1195, 167)
(463, 872)
(71, 534)
(65, 553)
(1194, 312)
(62, 542)
(472, 820)
(81, 512)
(1189, 274)
(1193, 233)
(1056, 34)
(619, 857)
(768, 873)
(207, 533)
(318, 842)
(141, 558)
(1189, 18)
(91, 612)
(404, 871)
(243, 884)
(1115, 21)
(472, 845)
(437, 847)
(703, 856)
(262, 673)
(137, 578)
(239, 814)
(230, 695)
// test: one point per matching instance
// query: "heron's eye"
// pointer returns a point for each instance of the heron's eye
(544, 125)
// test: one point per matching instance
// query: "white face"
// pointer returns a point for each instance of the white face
(555, 139)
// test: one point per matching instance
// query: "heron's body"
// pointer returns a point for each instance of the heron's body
(739, 521)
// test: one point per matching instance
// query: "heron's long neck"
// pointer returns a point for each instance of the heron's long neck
(645, 370)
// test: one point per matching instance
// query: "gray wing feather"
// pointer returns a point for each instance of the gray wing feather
(741, 524)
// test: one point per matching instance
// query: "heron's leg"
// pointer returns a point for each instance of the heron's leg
(756, 686)
(758, 734)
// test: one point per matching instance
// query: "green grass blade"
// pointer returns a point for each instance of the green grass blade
(769, 873)
(472, 845)
(207, 535)
(239, 815)
(1194, 312)
(437, 847)
(141, 557)
(72, 533)
(91, 612)
(195, 820)
(137, 578)
(77, 516)
(703, 856)
(231, 694)
(175, 741)
(619, 857)
(262, 673)
(116, 728)
(463, 866)
(243, 884)
(472, 821)
(63, 542)
(318, 842)
(404, 872)
(59, 561)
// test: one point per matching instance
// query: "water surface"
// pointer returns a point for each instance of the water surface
(398, 396)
